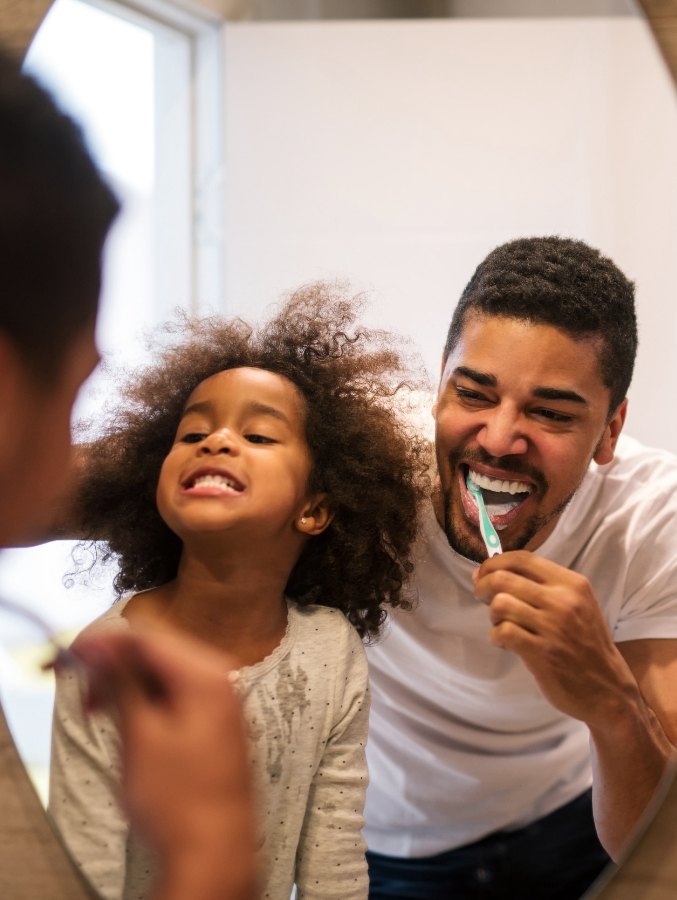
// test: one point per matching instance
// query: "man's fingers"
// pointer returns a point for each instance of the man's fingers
(524, 563)
(488, 586)
(154, 668)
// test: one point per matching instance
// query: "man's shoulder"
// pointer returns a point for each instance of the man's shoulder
(631, 449)
(628, 495)
(637, 467)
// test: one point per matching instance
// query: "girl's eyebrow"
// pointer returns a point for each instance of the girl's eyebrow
(199, 406)
(254, 406)
(265, 410)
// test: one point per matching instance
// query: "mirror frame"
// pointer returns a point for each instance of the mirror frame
(662, 17)
(31, 856)
(19, 21)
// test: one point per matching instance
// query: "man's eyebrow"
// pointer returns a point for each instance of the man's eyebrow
(543, 393)
(480, 377)
(546, 393)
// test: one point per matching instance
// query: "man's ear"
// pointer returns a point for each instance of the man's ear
(443, 366)
(315, 516)
(604, 452)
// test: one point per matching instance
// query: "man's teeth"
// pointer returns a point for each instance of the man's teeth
(215, 481)
(498, 486)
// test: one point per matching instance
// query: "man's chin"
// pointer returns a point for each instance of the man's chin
(528, 533)
(476, 552)
(470, 544)
(465, 547)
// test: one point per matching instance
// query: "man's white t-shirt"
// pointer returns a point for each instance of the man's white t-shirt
(461, 742)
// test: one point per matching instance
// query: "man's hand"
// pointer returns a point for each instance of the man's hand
(549, 616)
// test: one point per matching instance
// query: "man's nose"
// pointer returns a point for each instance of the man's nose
(503, 433)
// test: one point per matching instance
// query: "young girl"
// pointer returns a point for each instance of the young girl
(259, 491)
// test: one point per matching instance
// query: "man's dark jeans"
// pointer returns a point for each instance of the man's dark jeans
(556, 858)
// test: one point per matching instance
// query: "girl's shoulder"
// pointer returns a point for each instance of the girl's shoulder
(111, 619)
(320, 620)
(324, 635)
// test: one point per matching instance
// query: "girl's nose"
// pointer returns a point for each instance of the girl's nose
(221, 441)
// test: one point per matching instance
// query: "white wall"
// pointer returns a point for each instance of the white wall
(396, 154)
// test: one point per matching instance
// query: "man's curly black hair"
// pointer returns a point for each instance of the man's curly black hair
(564, 283)
(365, 455)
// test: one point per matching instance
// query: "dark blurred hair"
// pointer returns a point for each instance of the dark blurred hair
(55, 212)
(365, 456)
(563, 283)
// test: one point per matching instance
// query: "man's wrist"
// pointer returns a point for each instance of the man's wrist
(214, 872)
(214, 860)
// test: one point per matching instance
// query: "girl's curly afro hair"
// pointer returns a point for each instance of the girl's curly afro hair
(365, 455)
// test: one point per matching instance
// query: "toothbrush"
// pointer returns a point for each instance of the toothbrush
(487, 530)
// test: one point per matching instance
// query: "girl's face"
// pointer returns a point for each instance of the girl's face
(239, 458)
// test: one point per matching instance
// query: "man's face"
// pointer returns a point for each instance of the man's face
(523, 409)
(35, 438)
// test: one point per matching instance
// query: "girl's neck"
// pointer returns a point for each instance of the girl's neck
(238, 608)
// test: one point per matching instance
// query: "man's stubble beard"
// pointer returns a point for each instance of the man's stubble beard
(462, 545)
(475, 551)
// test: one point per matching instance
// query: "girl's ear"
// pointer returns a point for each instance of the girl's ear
(315, 516)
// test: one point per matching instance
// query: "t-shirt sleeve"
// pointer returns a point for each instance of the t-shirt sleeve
(331, 860)
(649, 606)
(84, 788)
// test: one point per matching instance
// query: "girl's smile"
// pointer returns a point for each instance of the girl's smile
(211, 482)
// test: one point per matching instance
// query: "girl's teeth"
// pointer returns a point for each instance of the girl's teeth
(213, 481)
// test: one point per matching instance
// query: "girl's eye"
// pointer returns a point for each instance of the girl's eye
(193, 437)
(259, 439)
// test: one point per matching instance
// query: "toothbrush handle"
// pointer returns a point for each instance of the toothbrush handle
(488, 532)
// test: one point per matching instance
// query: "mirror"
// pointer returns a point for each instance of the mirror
(395, 154)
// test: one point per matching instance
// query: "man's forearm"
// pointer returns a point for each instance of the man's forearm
(629, 758)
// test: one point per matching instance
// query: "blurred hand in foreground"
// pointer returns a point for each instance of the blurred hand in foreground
(186, 781)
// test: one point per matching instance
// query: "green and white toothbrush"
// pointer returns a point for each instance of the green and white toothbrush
(487, 530)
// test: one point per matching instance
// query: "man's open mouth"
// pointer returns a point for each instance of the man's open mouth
(501, 496)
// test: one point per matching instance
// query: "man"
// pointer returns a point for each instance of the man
(186, 784)
(513, 686)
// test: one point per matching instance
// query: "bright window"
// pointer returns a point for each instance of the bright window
(144, 85)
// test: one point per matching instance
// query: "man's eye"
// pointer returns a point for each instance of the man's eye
(259, 439)
(553, 416)
(469, 396)
(192, 437)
